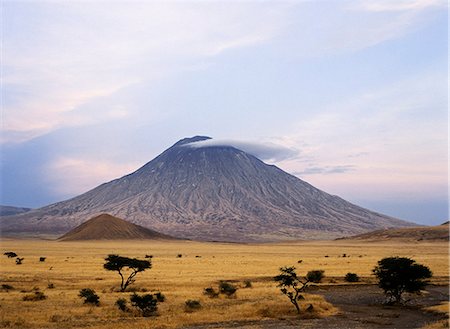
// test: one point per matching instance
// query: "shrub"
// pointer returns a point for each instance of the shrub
(227, 288)
(50, 286)
(192, 305)
(148, 256)
(160, 297)
(90, 297)
(179, 255)
(291, 285)
(147, 304)
(10, 254)
(121, 303)
(397, 275)
(19, 260)
(351, 277)
(7, 287)
(247, 284)
(315, 276)
(42, 259)
(210, 292)
(38, 295)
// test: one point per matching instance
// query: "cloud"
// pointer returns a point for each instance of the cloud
(395, 136)
(325, 170)
(58, 58)
(400, 5)
(265, 151)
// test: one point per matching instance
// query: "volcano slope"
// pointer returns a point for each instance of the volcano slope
(107, 227)
(210, 193)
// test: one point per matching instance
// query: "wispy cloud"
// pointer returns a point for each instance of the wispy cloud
(62, 57)
(265, 151)
(325, 170)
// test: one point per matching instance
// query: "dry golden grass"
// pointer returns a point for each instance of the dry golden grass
(440, 309)
(71, 266)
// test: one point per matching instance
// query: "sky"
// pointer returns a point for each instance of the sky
(350, 96)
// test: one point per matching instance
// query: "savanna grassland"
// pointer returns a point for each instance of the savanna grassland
(71, 266)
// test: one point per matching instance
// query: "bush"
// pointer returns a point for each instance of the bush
(210, 292)
(121, 303)
(90, 297)
(179, 255)
(315, 276)
(227, 288)
(351, 277)
(7, 287)
(192, 305)
(247, 284)
(19, 260)
(147, 304)
(10, 254)
(397, 275)
(42, 259)
(38, 295)
(51, 286)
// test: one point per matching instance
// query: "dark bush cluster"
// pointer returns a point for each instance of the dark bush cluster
(315, 276)
(7, 287)
(210, 292)
(351, 277)
(227, 288)
(192, 305)
(90, 297)
(37, 295)
(147, 304)
(121, 303)
(10, 254)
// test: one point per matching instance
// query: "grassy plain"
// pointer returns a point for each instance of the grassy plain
(71, 266)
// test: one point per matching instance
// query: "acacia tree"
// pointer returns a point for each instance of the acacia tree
(291, 285)
(397, 275)
(118, 263)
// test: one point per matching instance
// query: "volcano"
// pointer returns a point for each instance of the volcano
(107, 227)
(195, 190)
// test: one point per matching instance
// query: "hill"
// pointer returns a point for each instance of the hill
(206, 191)
(419, 233)
(10, 210)
(107, 227)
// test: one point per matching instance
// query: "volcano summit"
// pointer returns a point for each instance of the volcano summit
(205, 191)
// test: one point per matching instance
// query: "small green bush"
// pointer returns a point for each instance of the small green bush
(315, 276)
(90, 297)
(351, 277)
(192, 305)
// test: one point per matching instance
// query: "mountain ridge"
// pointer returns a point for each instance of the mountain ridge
(211, 193)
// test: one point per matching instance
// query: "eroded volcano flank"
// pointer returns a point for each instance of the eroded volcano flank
(210, 192)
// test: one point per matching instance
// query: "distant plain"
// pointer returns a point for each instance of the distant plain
(71, 266)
